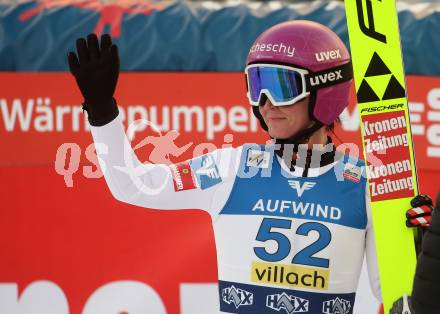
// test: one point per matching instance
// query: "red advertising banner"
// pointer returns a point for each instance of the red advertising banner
(69, 247)
(38, 116)
(387, 142)
(41, 111)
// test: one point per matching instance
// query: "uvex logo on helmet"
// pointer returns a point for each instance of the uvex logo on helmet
(326, 78)
(278, 47)
(328, 55)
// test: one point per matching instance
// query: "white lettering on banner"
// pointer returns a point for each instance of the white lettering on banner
(434, 138)
(187, 112)
(46, 297)
(432, 128)
(40, 115)
(433, 132)
(415, 108)
(125, 296)
(216, 120)
(44, 116)
(434, 98)
(384, 126)
(154, 118)
(24, 119)
(237, 115)
(201, 298)
(389, 186)
(385, 142)
(135, 113)
(389, 169)
(39, 297)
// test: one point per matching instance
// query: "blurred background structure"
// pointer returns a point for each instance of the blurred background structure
(186, 35)
(66, 245)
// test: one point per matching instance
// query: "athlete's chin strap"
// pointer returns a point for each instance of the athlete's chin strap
(298, 154)
(302, 137)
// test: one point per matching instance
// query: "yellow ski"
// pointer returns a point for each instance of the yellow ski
(386, 136)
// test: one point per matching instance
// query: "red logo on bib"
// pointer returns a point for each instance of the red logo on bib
(183, 178)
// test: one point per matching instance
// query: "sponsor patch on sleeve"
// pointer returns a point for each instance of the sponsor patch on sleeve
(258, 159)
(206, 171)
(183, 177)
(352, 172)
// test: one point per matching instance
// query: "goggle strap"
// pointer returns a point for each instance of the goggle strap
(329, 77)
(246, 82)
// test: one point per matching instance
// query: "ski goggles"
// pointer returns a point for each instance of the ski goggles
(286, 85)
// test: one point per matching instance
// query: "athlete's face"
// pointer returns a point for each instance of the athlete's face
(286, 121)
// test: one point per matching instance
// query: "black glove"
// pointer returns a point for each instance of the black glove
(425, 295)
(402, 306)
(96, 70)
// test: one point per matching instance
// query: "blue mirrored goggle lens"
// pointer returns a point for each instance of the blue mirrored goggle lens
(282, 84)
